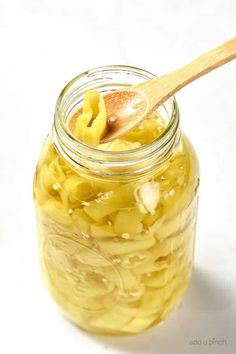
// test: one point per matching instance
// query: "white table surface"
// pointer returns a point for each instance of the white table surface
(43, 44)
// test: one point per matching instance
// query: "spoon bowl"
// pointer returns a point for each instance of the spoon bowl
(125, 109)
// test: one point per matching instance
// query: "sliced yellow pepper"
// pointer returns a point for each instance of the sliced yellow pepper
(91, 124)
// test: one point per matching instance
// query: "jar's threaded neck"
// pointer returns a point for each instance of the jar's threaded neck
(111, 163)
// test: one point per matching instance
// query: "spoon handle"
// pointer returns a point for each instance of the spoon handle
(160, 89)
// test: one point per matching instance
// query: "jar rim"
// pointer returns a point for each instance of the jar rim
(67, 144)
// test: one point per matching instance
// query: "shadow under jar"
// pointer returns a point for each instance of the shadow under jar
(116, 229)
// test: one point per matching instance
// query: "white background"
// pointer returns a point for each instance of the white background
(43, 44)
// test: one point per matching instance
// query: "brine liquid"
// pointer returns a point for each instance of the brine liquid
(117, 255)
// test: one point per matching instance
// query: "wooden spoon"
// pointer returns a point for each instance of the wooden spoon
(127, 107)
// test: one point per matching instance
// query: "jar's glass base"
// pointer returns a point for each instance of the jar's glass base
(137, 325)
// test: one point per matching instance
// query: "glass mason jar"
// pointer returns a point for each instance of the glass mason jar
(116, 229)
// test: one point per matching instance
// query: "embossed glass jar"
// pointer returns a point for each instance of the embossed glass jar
(116, 229)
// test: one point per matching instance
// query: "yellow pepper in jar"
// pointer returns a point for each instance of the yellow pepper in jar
(116, 253)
